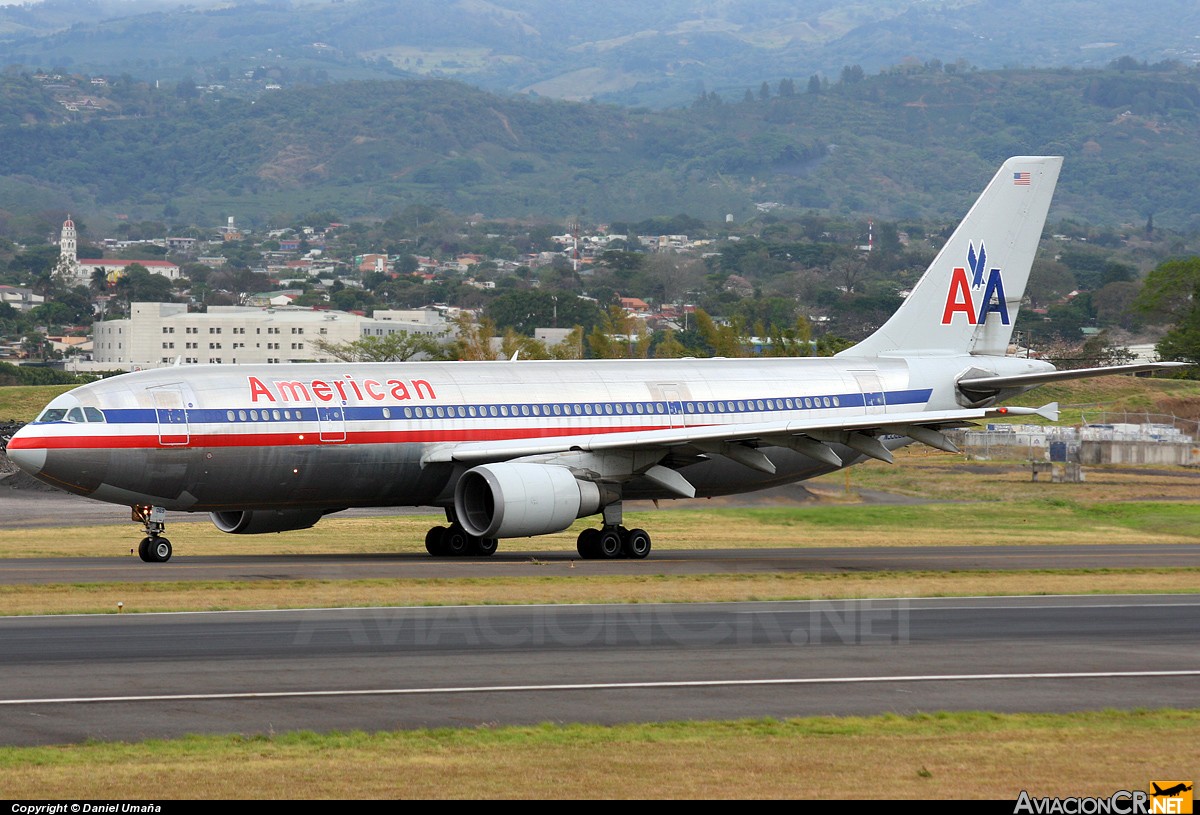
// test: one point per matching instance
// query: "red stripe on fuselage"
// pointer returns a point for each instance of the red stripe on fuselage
(312, 438)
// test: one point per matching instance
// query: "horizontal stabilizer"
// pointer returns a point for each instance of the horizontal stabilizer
(994, 384)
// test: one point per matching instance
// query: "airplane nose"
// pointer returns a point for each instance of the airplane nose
(28, 458)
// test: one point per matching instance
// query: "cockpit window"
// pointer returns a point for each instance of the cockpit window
(66, 408)
(51, 415)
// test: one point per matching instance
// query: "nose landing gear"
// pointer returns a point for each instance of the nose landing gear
(154, 548)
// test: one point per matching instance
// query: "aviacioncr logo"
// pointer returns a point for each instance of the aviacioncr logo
(988, 294)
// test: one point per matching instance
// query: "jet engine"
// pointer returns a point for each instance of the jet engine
(259, 521)
(517, 500)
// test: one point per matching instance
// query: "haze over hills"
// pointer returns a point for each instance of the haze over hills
(627, 52)
(190, 113)
(908, 144)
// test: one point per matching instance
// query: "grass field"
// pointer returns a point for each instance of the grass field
(935, 756)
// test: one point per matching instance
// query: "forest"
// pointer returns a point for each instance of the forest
(913, 142)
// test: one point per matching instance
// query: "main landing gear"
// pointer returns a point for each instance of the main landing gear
(613, 541)
(453, 541)
(154, 548)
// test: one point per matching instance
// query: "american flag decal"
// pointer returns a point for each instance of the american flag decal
(1021, 179)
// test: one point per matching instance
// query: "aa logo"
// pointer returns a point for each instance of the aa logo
(977, 295)
(1170, 797)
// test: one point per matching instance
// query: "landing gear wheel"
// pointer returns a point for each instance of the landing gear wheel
(485, 547)
(588, 544)
(456, 541)
(144, 550)
(609, 543)
(435, 541)
(159, 550)
(637, 544)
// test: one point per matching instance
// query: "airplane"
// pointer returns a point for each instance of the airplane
(1170, 791)
(514, 449)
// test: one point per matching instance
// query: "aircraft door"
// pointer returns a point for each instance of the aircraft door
(675, 414)
(332, 423)
(874, 399)
(171, 413)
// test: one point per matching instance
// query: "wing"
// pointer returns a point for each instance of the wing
(742, 442)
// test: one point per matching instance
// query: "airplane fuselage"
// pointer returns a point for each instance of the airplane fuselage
(214, 438)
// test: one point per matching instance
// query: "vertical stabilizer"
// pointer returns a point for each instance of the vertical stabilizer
(967, 300)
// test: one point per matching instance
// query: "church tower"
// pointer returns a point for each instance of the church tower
(67, 245)
(67, 269)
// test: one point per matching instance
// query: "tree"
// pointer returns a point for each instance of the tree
(852, 74)
(137, 285)
(727, 340)
(473, 339)
(525, 311)
(398, 347)
(1171, 293)
(619, 335)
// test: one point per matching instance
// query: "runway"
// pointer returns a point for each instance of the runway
(512, 562)
(67, 679)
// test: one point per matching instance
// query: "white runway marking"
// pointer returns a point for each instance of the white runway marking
(714, 683)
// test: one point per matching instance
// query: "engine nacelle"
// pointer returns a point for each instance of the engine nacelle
(259, 521)
(517, 500)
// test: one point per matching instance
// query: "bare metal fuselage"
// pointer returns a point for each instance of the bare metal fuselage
(212, 438)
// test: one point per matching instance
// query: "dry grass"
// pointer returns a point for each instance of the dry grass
(943, 756)
(23, 403)
(834, 523)
(921, 472)
(558, 587)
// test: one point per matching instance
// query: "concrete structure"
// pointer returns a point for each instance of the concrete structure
(427, 322)
(1161, 442)
(159, 333)
(20, 298)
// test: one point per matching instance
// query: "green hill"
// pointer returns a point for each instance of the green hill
(915, 143)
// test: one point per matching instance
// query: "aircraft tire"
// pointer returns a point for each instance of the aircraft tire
(144, 550)
(637, 544)
(456, 542)
(484, 547)
(435, 541)
(160, 550)
(588, 544)
(609, 544)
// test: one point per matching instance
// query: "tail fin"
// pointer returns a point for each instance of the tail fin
(967, 300)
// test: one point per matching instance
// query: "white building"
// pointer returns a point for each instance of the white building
(425, 322)
(159, 333)
(76, 271)
(20, 298)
